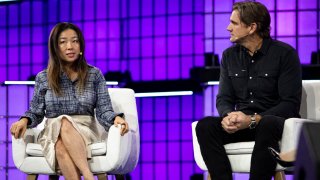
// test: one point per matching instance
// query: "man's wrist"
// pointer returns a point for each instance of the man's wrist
(258, 118)
(253, 122)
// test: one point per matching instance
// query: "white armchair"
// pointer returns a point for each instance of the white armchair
(240, 153)
(118, 155)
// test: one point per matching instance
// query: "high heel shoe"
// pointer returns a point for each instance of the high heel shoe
(277, 158)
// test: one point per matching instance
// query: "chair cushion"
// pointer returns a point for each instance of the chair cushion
(239, 148)
(34, 149)
(97, 149)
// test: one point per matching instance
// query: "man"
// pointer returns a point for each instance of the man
(260, 87)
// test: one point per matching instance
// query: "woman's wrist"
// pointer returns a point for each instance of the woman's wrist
(24, 120)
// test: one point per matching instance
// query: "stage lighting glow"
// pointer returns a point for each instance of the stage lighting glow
(114, 83)
(159, 94)
(212, 83)
(8, 0)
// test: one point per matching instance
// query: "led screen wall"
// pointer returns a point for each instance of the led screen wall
(135, 35)
(154, 40)
(296, 22)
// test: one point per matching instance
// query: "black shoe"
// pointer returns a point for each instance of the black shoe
(277, 158)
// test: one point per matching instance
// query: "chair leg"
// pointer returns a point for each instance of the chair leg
(53, 177)
(32, 177)
(120, 177)
(279, 175)
(102, 176)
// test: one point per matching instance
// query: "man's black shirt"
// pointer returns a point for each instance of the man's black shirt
(267, 83)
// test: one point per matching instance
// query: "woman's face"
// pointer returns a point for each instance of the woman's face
(69, 46)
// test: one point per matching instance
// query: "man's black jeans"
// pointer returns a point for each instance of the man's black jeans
(212, 138)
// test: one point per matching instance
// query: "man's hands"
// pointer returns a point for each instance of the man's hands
(124, 125)
(19, 128)
(228, 124)
(235, 121)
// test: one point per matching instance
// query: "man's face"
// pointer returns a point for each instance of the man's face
(238, 30)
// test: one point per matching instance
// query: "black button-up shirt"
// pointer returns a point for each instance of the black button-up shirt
(267, 83)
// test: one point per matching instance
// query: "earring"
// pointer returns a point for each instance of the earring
(80, 53)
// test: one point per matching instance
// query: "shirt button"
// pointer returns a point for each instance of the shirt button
(251, 101)
(266, 74)
(251, 93)
(252, 61)
(236, 74)
(250, 77)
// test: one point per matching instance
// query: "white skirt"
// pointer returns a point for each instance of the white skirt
(90, 130)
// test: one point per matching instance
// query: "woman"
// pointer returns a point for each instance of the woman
(68, 93)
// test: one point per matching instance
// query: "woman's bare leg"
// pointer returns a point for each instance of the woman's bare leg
(288, 156)
(68, 168)
(75, 145)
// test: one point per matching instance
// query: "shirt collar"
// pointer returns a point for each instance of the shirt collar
(64, 76)
(264, 47)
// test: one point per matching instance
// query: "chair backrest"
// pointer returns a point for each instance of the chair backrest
(310, 101)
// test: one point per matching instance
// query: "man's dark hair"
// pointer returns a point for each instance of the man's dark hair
(254, 12)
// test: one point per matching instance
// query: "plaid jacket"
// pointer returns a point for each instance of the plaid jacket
(94, 97)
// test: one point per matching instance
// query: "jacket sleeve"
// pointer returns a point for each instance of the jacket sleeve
(289, 87)
(225, 98)
(104, 111)
(36, 112)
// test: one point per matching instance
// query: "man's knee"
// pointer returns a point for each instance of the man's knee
(269, 129)
(207, 124)
(270, 122)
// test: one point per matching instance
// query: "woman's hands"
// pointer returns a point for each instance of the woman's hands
(19, 128)
(124, 125)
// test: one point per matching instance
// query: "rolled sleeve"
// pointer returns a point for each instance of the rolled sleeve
(225, 98)
(104, 111)
(36, 112)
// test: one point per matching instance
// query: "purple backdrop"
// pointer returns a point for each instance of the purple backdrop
(154, 40)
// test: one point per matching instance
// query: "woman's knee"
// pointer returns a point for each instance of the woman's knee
(65, 125)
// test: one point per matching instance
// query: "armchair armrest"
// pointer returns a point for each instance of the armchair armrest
(117, 146)
(291, 132)
(19, 145)
(196, 148)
